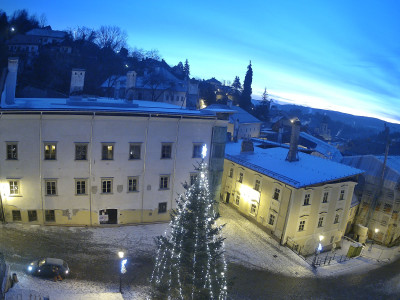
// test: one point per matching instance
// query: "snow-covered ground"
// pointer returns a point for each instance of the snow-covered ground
(245, 244)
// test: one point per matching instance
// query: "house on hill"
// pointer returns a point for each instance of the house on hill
(297, 197)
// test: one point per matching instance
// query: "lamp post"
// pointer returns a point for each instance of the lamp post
(318, 250)
(373, 238)
(122, 270)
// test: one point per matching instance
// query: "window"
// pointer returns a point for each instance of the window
(134, 151)
(325, 197)
(253, 209)
(50, 151)
(231, 173)
(193, 178)
(320, 221)
(107, 152)
(162, 207)
(387, 207)
(336, 219)
(237, 200)
(106, 185)
(51, 187)
(301, 225)
(341, 197)
(12, 151)
(257, 185)
(32, 215)
(81, 151)
(166, 150)
(240, 177)
(16, 215)
(132, 184)
(49, 215)
(271, 219)
(197, 148)
(80, 186)
(307, 199)
(276, 194)
(164, 182)
(14, 187)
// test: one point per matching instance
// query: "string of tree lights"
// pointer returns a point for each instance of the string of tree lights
(190, 261)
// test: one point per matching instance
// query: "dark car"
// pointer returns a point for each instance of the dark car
(45, 266)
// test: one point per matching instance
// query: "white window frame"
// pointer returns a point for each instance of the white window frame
(48, 183)
(15, 187)
(164, 182)
(78, 182)
(133, 154)
(12, 154)
(131, 179)
(105, 155)
(164, 153)
(107, 191)
(197, 148)
(51, 153)
(302, 225)
(307, 199)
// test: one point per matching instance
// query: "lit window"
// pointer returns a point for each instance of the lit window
(307, 199)
(51, 187)
(341, 197)
(134, 151)
(253, 209)
(325, 198)
(301, 226)
(276, 194)
(166, 150)
(80, 186)
(257, 185)
(162, 207)
(193, 178)
(81, 151)
(320, 221)
(240, 177)
(197, 150)
(271, 219)
(50, 151)
(132, 184)
(106, 185)
(164, 182)
(107, 152)
(12, 151)
(14, 187)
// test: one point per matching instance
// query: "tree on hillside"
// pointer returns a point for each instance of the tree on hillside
(190, 262)
(237, 90)
(186, 69)
(157, 82)
(111, 37)
(245, 98)
(22, 22)
(207, 93)
(262, 110)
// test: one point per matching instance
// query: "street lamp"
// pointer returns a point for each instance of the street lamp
(122, 270)
(318, 250)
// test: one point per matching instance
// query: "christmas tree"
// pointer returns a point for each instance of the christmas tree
(190, 262)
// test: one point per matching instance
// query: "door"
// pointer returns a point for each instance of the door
(227, 197)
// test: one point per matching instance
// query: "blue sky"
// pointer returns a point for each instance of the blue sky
(339, 55)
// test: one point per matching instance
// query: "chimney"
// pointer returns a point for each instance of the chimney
(11, 81)
(130, 80)
(294, 141)
(247, 146)
(77, 81)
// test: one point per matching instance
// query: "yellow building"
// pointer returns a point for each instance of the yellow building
(298, 198)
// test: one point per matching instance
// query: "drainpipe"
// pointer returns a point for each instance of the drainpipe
(40, 166)
(176, 151)
(90, 169)
(3, 217)
(144, 165)
(282, 242)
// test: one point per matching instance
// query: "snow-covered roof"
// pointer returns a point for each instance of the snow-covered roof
(242, 116)
(101, 105)
(47, 33)
(307, 171)
(324, 148)
(220, 108)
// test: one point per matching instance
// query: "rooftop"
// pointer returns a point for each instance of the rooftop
(242, 116)
(104, 105)
(307, 171)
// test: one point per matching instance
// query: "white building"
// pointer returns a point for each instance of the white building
(88, 161)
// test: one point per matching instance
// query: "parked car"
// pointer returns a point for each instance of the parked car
(44, 267)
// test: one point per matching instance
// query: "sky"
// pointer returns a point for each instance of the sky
(339, 55)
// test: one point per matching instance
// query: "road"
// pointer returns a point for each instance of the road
(95, 261)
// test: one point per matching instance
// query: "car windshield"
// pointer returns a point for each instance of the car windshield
(41, 262)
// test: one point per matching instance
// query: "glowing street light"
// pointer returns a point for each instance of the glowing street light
(123, 269)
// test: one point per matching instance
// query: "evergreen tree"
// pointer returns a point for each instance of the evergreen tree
(262, 110)
(186, 69)
(245, 99)
(190, 262)
(237, 86)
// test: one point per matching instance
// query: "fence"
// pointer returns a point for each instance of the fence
(327, 259)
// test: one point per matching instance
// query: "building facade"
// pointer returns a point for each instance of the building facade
(296, 201)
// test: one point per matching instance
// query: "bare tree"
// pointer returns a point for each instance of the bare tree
(82, 33)
(111, 37)
(156, 81)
